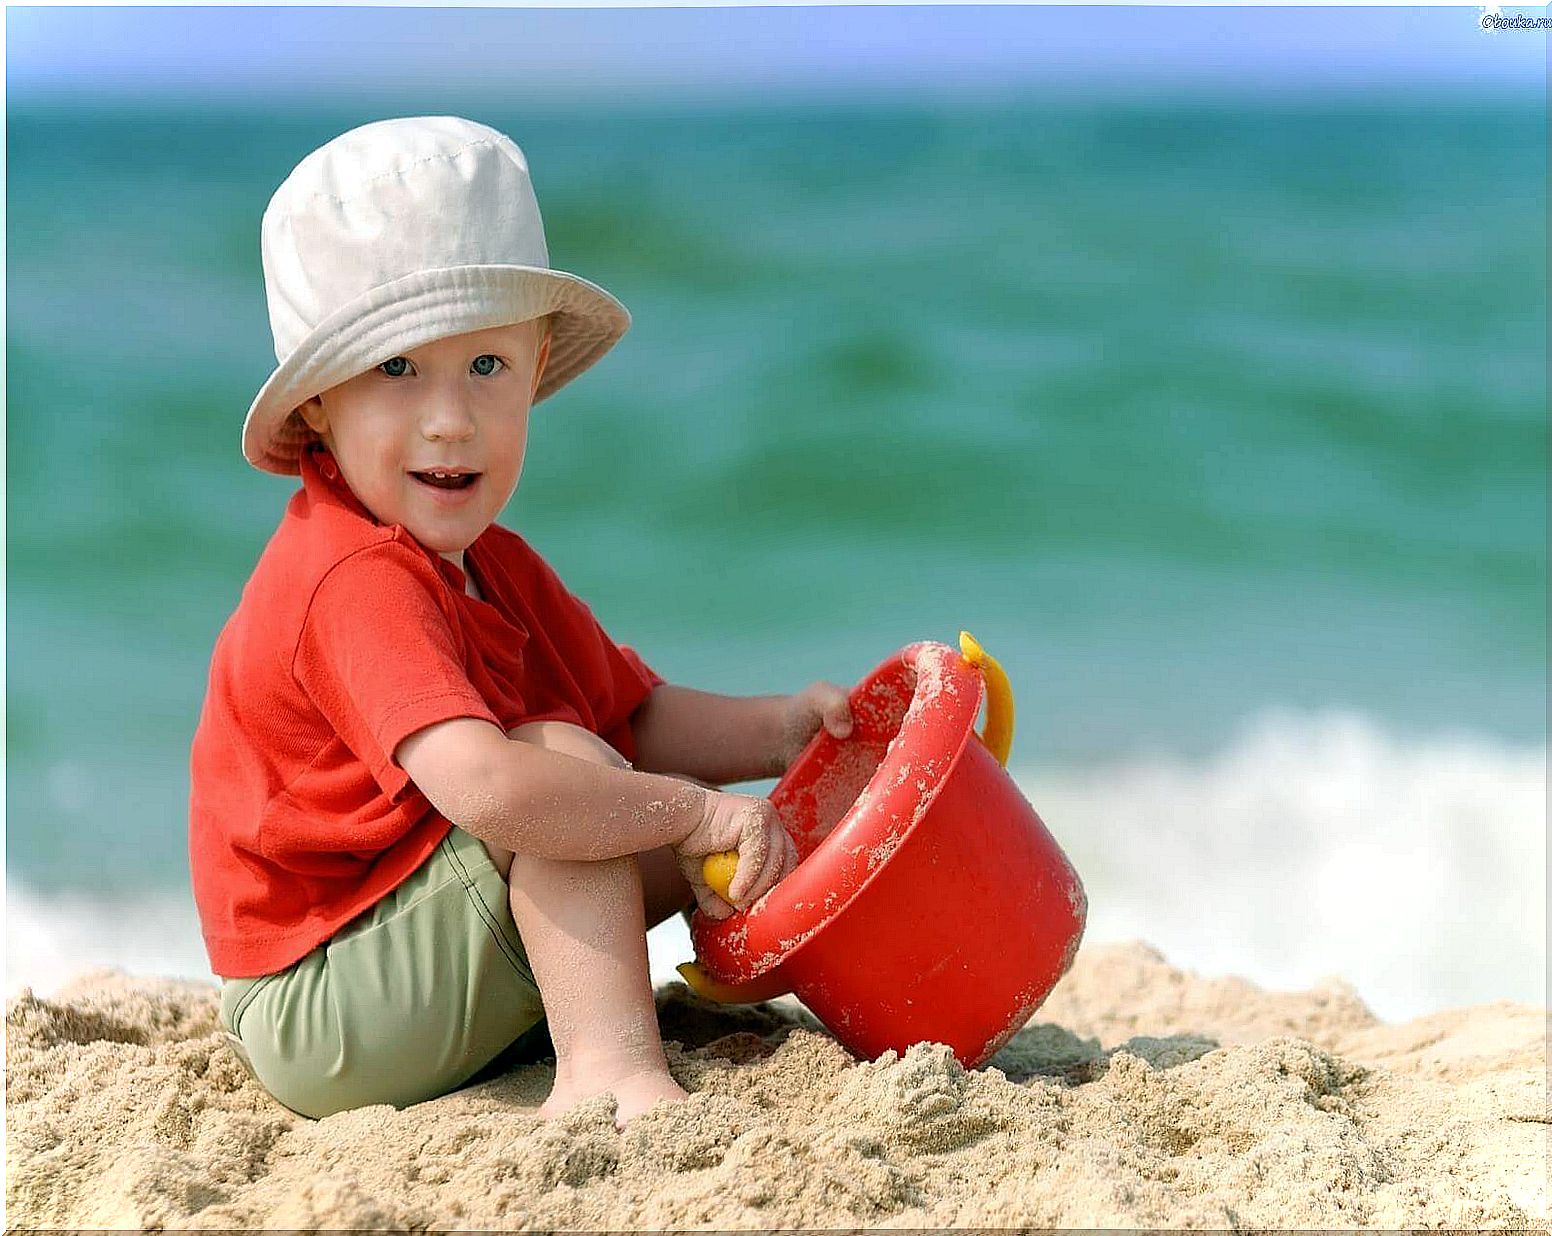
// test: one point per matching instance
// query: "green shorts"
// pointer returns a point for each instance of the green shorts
(405, 1002)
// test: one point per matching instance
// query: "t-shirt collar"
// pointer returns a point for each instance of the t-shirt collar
(321, 474)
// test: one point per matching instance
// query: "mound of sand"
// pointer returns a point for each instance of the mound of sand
(1140, 1096)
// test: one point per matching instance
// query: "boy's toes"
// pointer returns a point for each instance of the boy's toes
(633, 1095)
(638, 1094)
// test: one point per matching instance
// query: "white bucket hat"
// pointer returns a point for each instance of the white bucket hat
(395, 234)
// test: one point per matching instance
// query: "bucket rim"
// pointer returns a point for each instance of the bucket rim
(755, 942)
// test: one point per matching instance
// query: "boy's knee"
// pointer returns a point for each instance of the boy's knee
(568, 739)
(664, 886)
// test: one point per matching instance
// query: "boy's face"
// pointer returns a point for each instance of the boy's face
(459, 403)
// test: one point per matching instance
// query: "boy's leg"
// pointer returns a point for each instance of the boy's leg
(583, 925)
(665, 891)
(586, 938)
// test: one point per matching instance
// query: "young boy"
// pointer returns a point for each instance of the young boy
(432, 802)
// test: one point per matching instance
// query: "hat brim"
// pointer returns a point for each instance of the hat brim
(417, 309)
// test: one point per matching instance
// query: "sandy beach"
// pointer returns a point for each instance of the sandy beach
(1139, 1095)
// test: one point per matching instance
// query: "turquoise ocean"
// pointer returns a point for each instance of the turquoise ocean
(1221, 424)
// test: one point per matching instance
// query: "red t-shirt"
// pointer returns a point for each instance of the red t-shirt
(349, 637)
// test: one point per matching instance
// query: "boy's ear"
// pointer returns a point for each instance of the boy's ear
(540, 362)
(312, 412)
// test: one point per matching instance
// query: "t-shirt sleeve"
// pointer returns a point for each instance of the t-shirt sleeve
(379, 656)
(615, 675)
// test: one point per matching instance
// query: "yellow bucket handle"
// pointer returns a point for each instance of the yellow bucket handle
(998, 733)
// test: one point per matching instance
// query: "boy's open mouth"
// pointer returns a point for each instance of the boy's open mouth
(446, 480)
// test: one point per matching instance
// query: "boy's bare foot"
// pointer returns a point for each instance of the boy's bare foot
(634, 1092)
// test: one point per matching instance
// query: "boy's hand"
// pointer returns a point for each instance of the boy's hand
(823, 703)
(749, 825)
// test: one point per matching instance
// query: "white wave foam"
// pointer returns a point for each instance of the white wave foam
(1317, 845)
(50, 938)
(1312, 845)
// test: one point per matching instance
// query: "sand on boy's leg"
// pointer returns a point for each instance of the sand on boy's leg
(584, 930)
(664, 893)
(583, 926)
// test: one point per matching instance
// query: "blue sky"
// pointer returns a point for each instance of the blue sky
(295, 53)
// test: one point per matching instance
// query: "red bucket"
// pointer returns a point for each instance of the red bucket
(931, 903)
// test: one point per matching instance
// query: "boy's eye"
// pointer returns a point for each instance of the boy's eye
(398, 366)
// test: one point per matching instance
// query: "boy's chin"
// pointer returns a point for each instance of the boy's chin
(438, 541)
(443, 545)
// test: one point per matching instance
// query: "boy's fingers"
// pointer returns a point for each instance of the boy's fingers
(781, 860)
(789, 858)
(770, 872)
(711, 905)
(766, 856)
(753, 850)
(832, 704)
(705, 899)
(707, 902)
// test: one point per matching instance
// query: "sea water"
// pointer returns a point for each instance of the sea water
(1221, 426)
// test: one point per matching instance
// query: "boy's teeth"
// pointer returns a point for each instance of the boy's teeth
(448, 480)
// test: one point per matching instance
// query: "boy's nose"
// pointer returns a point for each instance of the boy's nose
(447, 418)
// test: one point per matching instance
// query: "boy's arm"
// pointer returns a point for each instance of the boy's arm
(524, 797)
(720, 739)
